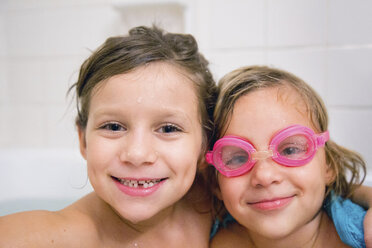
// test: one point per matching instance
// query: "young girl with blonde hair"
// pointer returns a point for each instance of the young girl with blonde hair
(277, 165)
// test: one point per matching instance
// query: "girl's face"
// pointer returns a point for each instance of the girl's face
(272, 200)
(143, 140)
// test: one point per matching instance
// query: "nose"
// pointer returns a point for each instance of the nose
(138, 149)
(265, 173)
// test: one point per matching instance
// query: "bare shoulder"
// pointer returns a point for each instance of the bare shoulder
(33, 228)
(66, 228)
(328, 236)
(230, 237)
(221, 239)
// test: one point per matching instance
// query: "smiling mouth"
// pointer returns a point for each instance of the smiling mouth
(271, 204)
(131, 183)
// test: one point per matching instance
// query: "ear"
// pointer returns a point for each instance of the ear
(217, 192)
(330, 175)
(82, 142)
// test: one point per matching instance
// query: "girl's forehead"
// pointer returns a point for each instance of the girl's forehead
(160, 86)
(267, 109)
(290, 96)
(281, 96)
(151, 76)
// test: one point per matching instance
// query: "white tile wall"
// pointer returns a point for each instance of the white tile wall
(60, 128)
(169, 15)
(24, 33)
(308, 64)
(352, 128)
(26, 126)
(37, 4)
(3, 82)
(4, 137)
(224, 62)
(296, 22)
(3, 46)
(26, 77)
(58, 31)
(43, 43)
(237, 24)
(60, 74)
(62, 39)
(350, 77)
(349, 22)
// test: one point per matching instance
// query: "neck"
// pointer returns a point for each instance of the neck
(178, 223)
(113, 221)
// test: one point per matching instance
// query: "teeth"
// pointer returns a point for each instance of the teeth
(140, 183)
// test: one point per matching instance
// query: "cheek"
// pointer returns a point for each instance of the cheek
(323, 170)
(313, 177)
(100, 153)
(231, 190)
(191, 148)
(181, 156)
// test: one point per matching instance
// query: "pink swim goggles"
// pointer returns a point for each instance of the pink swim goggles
(293, 146)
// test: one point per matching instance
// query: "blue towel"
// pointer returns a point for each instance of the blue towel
(348, 219)
(221, 224)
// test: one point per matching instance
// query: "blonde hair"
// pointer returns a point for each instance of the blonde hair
(247, 79)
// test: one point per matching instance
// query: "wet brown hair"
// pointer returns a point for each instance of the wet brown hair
(348, 166)
(141, 46)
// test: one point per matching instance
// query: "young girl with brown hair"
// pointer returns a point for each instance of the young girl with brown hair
(144, 105)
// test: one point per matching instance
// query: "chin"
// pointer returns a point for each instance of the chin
(137, 219)
(274, 232)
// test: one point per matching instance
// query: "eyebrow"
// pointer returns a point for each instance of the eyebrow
(165, 112)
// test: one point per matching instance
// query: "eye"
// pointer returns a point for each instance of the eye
(234, 157)
(114, 127)
(169, 128)
(294, 147)
(236, 161)
(291, 151)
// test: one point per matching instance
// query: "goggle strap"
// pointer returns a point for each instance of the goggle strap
(209, 157)
(322, 138)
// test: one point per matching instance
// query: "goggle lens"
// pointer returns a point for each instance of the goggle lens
(296, 147)
(233, 157)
